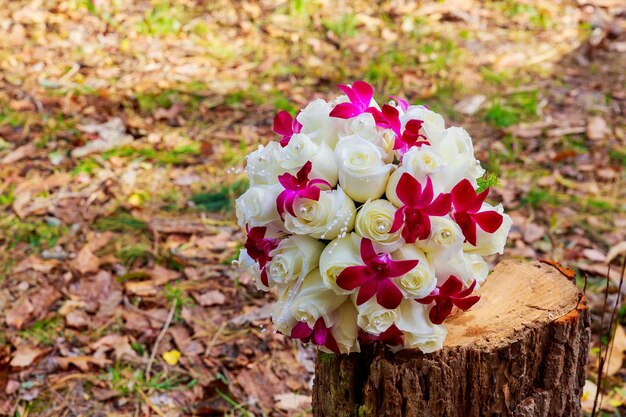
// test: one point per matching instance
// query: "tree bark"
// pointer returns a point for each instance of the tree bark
(521, 351)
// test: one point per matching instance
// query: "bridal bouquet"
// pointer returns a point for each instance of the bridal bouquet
(368, 223)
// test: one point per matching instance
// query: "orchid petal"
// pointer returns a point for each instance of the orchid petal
(352, 277)
(303, 174)
(478, 201)
(440, 311)
(331, 343)
(489, 221)
(347, 90)
(463, 195)
(364, 92)
(368, 253)
(344, 111)
(441, 205)
(408, 190)
(388, 294)
(287, 180)
(398, 220)
(399, 268)
(283, 123)
(465, 303)
(452, 286)
(427, 194)
(301, 331)
(367, 291)
(312, 193)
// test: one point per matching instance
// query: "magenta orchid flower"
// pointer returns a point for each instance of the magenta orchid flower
(259, 248)
(401, 102)
(298, 186)
(467, 204)
(319, 335)
(418, 207)
(392, 336)
(450, 294)
(374, 278)
(360, 96)
(389, 118)
(286, 126)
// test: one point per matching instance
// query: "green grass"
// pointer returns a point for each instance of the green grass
(343, 26)
(44, 332)
(120, 222)
(221, 198)
(163, 19)
(37, 234)
(179, 155)
(537, 197)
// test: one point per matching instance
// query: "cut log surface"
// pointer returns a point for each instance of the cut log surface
(520, 351)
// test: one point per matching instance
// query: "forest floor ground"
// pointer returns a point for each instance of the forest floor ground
(120, 123)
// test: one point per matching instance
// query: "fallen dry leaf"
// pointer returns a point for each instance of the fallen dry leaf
(210, 298)
(86, 262)
(82, 362)
(290, 401)
(141, 288)
(19, 153)
(616, 354)
(119, 343)
(597, 128)
(615, 251)
(25, 356)
(31, 306)
(111, 135)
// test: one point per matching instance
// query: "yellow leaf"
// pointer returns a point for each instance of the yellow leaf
(171, 357)
(135, 200)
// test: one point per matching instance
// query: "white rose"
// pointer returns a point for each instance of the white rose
(374, 220)
(420, 163)
(295, 256)
(249, 266)
(363, 126)
(490, 243)
(363, 173)
(373, 318)
(467, 267)
(478, 268)
(257, 206)
(444, 234)
(262, 165)
(433, 126)
(421, 280)
(418, 331)
(317, 124)
(302, 149)
(457, 151)
(336, 256)
(282, 314)
(314, 300)
(345, 330)
(332, 215)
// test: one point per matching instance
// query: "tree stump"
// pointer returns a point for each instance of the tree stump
(521, 351)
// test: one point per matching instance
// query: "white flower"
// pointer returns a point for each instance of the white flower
(295, 256)
(336, 256)
(490, 243)
(457, 151)
(257, 206)
(345, 330)
(418, 331)
(373, 318)
(374, 220)
(314, 300)
(444, 234)
(262, 165)
(332, 215)
(317, 124)
(420, 163)
(465, 266)
(421, 280)
(249, 266)
(302, 149)
(363, 173)
(433, 126)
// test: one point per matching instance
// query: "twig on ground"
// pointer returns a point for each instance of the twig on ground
(170, 316)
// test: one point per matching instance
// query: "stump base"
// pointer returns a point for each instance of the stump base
(521, 351)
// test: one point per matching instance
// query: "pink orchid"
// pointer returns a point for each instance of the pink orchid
(401, 102)
(450, 294)
(467, 204)
(319, 335)
(360, 96)
(392, 336)
(259, 248)
(298, 186)
(418, 207)
(389, 118)
(374, 278)
(286, 126)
